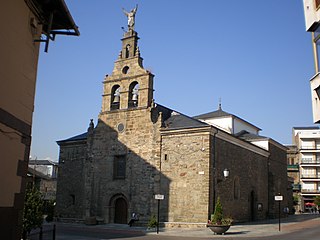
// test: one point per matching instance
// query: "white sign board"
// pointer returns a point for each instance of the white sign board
(159, 197)
(278, 198)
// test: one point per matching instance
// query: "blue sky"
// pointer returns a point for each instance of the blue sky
(255, 55)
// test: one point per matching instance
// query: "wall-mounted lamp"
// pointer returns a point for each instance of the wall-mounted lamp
(226, 173)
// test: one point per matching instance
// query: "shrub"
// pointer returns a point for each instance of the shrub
(152, 222)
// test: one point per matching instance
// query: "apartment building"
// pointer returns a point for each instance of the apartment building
(307, 142)
(312, 21)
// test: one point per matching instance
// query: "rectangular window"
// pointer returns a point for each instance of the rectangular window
(119, 167)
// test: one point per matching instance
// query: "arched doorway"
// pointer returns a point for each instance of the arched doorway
(120, 211)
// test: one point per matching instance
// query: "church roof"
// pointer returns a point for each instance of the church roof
(220, 113)
(79, 137)
(214, 114)
(177, 120)
(249, 136)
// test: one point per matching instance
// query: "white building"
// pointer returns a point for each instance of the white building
(46, 167)
(307, 140)
(312, 20)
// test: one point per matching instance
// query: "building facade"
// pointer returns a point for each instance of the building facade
(139, 149)
(44, 174)
(312, 20)
(22, 23)
(307, 142)
(293, 169)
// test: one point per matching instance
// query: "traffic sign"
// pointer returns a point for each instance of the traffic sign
(159, 197)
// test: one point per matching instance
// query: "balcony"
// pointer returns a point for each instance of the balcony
(309, 161)
(310, 176)
(309, 149)
(313, 191)
(293, 167)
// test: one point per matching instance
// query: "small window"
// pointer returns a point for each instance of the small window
(73, 199)
(119, 167)
(125, 70)
(127, 51)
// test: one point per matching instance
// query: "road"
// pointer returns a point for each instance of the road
(79, 233)
(297, 227)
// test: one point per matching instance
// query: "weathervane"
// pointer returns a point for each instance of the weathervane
(131, 17)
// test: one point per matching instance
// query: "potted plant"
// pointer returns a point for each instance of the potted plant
(218, 223)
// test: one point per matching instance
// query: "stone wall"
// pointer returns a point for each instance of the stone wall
(138, 142)
(186, 163)
(278, 180)
(70, 185)
(247, 185)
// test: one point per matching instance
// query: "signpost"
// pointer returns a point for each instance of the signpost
(158, 197)
(279, 198)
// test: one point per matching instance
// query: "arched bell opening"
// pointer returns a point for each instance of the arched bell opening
(115, 97)
(133, 95)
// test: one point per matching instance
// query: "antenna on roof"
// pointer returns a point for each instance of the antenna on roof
(220, 103)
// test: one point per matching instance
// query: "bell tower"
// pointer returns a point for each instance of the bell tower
(129, 86)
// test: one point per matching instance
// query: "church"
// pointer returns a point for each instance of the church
(140, 150)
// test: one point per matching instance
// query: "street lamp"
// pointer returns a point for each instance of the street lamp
(226, 173)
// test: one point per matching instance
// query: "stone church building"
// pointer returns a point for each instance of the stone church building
(140, 148)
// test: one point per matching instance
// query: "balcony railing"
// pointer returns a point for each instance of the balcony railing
(316, 176)
(310, 161)
(310, 191)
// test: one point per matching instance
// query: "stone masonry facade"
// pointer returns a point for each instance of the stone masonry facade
(139, 148)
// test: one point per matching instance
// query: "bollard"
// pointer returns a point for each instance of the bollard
(54, 232)
(40, 234)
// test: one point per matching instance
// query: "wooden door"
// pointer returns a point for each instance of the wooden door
(121, 211)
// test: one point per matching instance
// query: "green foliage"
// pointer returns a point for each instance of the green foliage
(33, 210)
(317, 201)
(217, 216)
(152, 222)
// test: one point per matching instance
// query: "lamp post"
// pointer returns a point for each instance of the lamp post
(226, 174)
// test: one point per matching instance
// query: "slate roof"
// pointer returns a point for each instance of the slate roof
(177, 120)
(79, 137)
(214, 114)
(172, 120)
(220, 113)
(42, 162)
(249, 136)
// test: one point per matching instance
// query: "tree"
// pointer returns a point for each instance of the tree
(218, 213)
(33, 210)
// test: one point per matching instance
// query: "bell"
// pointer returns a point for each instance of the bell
(134, 97)
(116, 99)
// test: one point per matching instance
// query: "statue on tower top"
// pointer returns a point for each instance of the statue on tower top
(131, 16)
